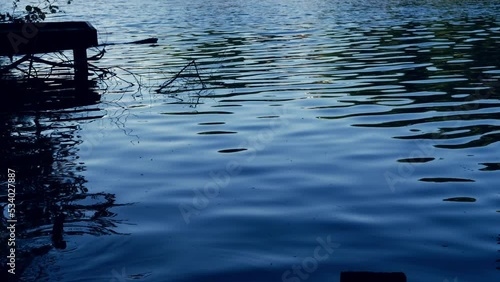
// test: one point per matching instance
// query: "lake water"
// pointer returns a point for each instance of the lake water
(330, 136)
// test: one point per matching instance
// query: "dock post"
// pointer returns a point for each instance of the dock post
(81, 67)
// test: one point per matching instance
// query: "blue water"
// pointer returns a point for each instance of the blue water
(370, 124)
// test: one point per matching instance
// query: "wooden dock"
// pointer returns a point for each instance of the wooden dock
(33, 38)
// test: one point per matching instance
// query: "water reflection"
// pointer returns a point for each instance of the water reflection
(52, 202)
(490, 166)
(45, 94)
(401, 71)
(423, 76)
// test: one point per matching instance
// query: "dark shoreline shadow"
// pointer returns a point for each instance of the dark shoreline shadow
(45, 94)
(39, 141)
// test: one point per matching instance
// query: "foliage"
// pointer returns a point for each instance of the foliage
(32, 13)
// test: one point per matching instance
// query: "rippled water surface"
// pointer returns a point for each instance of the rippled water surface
(370, 124)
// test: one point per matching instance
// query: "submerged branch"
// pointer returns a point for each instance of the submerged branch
(170, 82)
(187, 79)
(152, 40)
(14, 64)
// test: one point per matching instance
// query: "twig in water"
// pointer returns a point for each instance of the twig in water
(162, 88)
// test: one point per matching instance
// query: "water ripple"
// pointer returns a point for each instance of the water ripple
(375, 122)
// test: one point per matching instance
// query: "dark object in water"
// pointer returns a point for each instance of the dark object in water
(152, 40)
(354, 276)
(50, 37)
(57, 232)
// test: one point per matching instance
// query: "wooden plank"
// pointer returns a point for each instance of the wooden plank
(32, 38)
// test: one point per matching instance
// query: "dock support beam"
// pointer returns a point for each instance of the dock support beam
(81, 66)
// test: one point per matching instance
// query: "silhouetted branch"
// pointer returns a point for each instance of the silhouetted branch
(14, 64)
(167, 84)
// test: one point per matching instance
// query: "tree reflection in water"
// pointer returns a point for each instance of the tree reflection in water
(52, 202)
